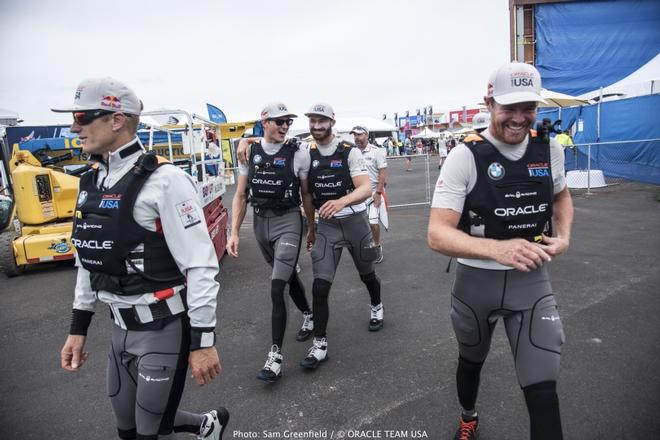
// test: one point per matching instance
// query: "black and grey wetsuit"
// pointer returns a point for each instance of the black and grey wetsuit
(330, 177)
(274, 172)
(123, 231)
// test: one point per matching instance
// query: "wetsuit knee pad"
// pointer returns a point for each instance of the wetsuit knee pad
(543, 406)
(546, 330)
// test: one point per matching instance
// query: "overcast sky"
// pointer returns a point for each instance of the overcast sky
(365, 57)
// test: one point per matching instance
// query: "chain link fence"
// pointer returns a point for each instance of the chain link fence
(599, 164)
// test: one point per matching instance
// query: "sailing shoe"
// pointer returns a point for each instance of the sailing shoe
(379, 259)
(272, 371)
(468, 429)
(307, 327)
(214, 424)
(376, 321)
(317, 354)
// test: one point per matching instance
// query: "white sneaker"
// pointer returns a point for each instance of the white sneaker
(214, 424)
(272, 370)
(376, 321)
(317, 354)
(307, 327)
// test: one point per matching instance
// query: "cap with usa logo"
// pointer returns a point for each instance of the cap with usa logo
(514, 83)
(103, 94)
(321, 109)
(276, 110)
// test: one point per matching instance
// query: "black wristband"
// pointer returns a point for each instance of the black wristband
(202, 337)
(80, 320)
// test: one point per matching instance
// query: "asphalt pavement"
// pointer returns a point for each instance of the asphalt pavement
(396, 383)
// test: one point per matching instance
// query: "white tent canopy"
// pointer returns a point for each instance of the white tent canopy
(643, 81)
(556, 99)
(427, 134)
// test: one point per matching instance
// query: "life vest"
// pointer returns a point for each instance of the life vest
(330, 176)
(511, 199)
(272, 182)
(121, 256)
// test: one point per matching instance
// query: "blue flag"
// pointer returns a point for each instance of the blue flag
(215, 114)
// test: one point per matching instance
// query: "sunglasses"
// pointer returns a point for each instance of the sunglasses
(87, 117)
(281, 122)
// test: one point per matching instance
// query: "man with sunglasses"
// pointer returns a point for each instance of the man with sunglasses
(133, 209)
(501, 205)
(273, 181)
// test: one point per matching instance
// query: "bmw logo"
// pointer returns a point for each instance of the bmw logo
(495, 171)
(315, 164)
(257, 158)
(82, 198)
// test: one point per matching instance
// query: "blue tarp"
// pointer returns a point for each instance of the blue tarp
(584, 45)
(634, 119)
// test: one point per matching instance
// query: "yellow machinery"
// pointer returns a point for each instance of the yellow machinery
(40, 223)
(38, 203)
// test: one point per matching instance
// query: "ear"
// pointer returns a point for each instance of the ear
(490, 102)
(119, 121)
(332, 123)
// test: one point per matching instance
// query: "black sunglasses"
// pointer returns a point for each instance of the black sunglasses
(88, 116)
(281, 122)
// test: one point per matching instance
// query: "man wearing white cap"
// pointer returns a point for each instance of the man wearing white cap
(272, 181)
(339, 185)
(133, 209)
(502, 207)
(376, 162)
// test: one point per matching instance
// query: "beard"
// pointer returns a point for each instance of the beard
(321, 135)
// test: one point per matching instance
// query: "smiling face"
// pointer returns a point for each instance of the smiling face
(511, 123)
(275, 130)
(321, 128)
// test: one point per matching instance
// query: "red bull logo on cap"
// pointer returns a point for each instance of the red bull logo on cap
(111, 101)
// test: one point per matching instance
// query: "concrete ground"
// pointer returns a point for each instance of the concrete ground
(396, 383)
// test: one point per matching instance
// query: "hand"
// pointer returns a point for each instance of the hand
(243, 150)
(377, 199)
(554, 245)
(331, 207)
(232, 245)
(520, 254)
(72, 355)
(204, 364)
(311, 238)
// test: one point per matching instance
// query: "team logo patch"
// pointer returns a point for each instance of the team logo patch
(315, 164)
(188, 214)
(257, 158)
(336, 163)
(495, 171)
(111, 101)
(61, 248)
(82, 198)
(110, 201)
(538, 169)
(279, 162)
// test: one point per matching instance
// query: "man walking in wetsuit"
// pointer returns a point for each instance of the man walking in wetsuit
(272, 182)
(133, 211)
(502, 207)
(338, 186)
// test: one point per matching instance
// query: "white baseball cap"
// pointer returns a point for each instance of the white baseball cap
(276, 110)
(321, 109)
(103, 94)
(515, 82)
(480, 120)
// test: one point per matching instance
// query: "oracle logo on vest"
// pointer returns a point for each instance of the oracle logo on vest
(521, 210)
(92, 244)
